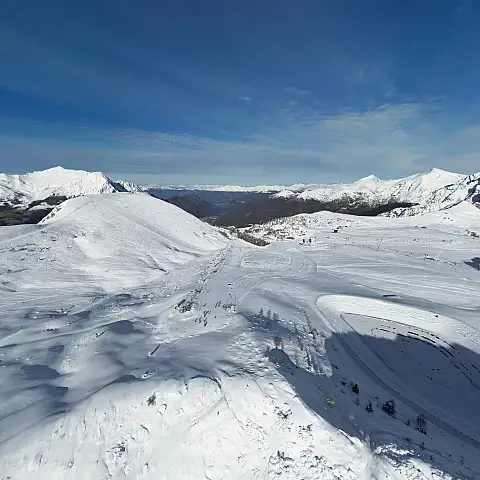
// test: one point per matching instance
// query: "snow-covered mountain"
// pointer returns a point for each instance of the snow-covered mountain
(56, 182)
(415, 189)
(370, 196)
(124, 186)
(466, 189)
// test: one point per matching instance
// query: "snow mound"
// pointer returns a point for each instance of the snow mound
(57, 181)
(110, 241)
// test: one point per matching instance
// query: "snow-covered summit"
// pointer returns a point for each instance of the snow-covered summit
(57, 181)
(416, 189)
(465, 190)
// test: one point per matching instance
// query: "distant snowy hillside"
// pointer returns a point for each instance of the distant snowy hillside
(235, 188)
(56, 182)
(308, 228)
(416, 189)
(467, 189)
(129, 186)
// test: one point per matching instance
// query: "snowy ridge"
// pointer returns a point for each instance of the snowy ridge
(129, 186)
(57, 181)
(414, 189)
(467, 189)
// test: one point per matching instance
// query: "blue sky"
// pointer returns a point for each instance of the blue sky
(244, 92)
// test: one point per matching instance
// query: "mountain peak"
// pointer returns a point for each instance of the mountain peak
(56, 181)
(439, 171)
(370, 177)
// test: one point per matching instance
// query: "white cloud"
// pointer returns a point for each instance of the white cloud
(390, 141)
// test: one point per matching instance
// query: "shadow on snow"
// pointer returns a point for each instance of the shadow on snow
(447, 378)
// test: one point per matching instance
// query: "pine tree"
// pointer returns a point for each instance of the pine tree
(369, 407)
(389, 408)
(355, 389)
(421, 424)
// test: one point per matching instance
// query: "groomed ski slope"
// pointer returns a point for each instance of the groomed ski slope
(137, 342)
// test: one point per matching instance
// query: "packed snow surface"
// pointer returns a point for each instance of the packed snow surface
(58, 181)
(138, 343)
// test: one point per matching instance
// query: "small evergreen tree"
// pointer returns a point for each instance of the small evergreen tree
(369, 407)
(389, 408)
(355, 389)
(421, 424)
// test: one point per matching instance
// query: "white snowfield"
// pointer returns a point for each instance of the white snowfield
(137, 342)
(57, 181)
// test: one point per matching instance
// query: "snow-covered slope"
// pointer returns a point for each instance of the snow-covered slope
(415, 189)
(136, 342)
(129, 186)
(467, 189)
(112, 241)
(462, 217)
(35, 186)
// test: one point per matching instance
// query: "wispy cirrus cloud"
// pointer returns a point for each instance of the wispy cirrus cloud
(171, 92)
(392, 140)
(297, 91)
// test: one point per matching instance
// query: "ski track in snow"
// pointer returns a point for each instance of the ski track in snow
(185, 355)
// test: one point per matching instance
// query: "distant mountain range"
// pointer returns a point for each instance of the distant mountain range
(299, 187)
(419, 193)
(28, 198)
(242, 206)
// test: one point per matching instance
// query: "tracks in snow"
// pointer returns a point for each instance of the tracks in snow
(332, 310)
